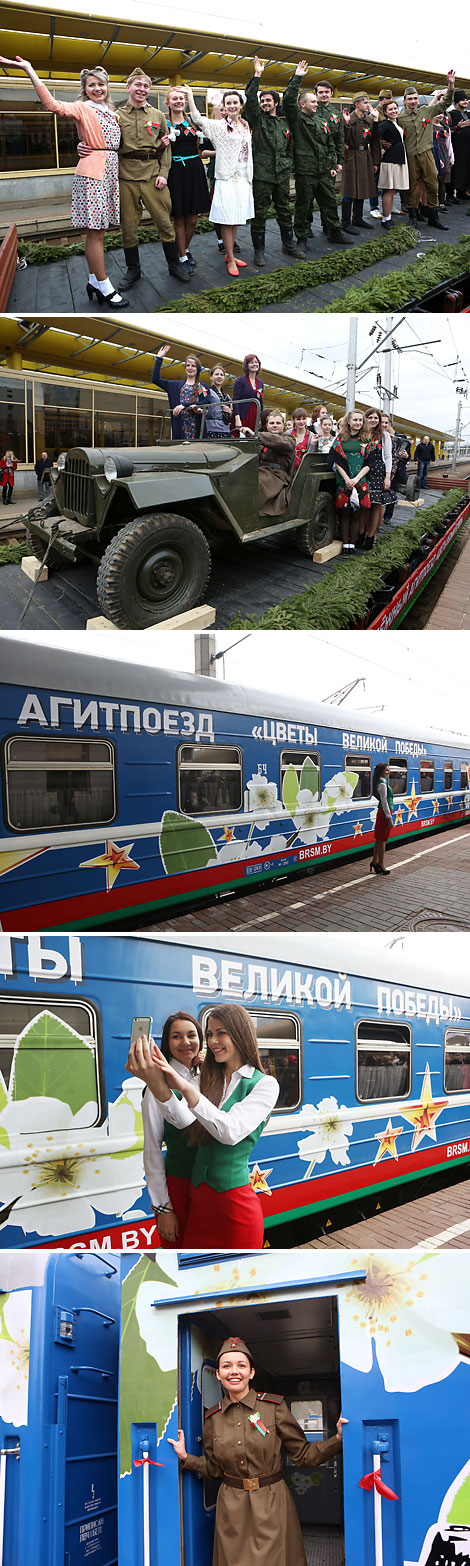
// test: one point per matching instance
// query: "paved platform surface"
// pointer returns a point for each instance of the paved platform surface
(60, 286)
(452, 611)
(246, 579)
(428, 889)
(439, 1220)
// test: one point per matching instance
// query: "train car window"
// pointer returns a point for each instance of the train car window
(53, 783)
(426, 777)
(398, 775)
(464, 776)
(58, 1058)
(383, 1060)
(448, 774)
(210, 779)
(278, 1037)
(362, 765)
(457, 1060)
(296, 758)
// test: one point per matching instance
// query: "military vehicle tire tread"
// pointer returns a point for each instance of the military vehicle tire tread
(320, 530)
(412, 487)
(46, 508)
(128, 557)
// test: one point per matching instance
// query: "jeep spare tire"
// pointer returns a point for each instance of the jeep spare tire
(320, 530)
(155, 567)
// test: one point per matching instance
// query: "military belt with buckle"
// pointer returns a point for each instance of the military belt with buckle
(251, 1484)
(143, 154)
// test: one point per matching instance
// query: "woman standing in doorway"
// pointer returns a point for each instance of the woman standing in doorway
(168, 1177)
(95, 189)
(256, 1522)
(226, 1115)
(383, 793)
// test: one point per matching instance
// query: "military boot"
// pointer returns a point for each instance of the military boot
(346, 224)
(301, 250)
(335, 236)
(258, 241)
(358, 218)
(288, 243)
(133, 268)
(435, 221)
(176, 267)
(412, 216)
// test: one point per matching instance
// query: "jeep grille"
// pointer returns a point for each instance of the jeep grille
(77, 487)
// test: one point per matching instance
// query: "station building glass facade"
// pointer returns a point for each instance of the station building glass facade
(46, 413)
(32, 139)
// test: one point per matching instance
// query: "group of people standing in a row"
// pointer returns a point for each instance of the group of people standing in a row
(136, 157)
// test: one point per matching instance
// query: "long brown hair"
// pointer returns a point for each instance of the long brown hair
(197, 384)
(179, 1016)
(377, 433)
(241, 1030)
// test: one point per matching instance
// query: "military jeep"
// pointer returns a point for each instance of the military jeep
(149, 516)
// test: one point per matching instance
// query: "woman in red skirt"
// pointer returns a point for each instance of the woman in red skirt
(226, 1115)
(384, 819)
(168, 1177)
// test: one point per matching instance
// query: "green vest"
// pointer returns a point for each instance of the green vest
(179, 1157)
(225, 1167)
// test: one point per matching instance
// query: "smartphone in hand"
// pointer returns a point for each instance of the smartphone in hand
(141, 1025)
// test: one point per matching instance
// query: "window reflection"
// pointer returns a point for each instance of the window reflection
(383, 1060)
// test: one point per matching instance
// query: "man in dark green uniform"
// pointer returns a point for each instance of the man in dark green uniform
(315, 163)
(144, 163)
(416, 121)
(272, 165)
(332, 117)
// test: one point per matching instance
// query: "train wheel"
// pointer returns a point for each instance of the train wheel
(155, 567)
(320, 530)
(412, 487)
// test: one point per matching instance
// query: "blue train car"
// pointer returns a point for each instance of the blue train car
(126, 789)
(59, 1362)
(384, 1336)
(371, 1050)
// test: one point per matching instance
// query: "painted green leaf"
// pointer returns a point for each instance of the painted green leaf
(147, 1392)
(185, 844)
(290, 790)
(4, 1137)
(351, 778)
(53, 1061)
(309, 776)
(4, 1333)
(460, 1509)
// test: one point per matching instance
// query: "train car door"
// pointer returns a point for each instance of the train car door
(296, 1351)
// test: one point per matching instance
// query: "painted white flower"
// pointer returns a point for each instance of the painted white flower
(300, 1482)
(34, 1117)
(238, 848)
(409, 1307)
(373, 815)
(61, 1194)
(330, 1135)
(338, 793)
(262, 795)
(15, 1328)
(311, 822)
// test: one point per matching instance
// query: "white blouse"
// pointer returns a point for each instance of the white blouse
(382, 793)
(154, 1135)
(228, 145)
(387, 451)
(230, 1127)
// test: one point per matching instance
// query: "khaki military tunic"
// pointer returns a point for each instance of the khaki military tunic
(141, 132)
(256, 1527)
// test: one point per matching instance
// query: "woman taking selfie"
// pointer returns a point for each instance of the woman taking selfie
(168, 1177)
(226, 1114)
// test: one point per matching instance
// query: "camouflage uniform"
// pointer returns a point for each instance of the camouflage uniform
(272, 166)
(314, 157)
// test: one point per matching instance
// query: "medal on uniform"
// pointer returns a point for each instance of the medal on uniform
(256, 1421)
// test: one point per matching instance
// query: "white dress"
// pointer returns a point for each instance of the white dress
(232, 201)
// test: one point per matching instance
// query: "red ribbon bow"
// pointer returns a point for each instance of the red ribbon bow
(369, 1481)
(138, 1461)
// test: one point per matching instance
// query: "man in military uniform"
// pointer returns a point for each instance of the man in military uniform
(315, 163)
(256, 1518)
(417, 122)
(144, 162)
(272, 165)
(326, 114)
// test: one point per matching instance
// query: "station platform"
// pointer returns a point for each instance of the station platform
(428, 889)
(452, 611)
(439, 1220)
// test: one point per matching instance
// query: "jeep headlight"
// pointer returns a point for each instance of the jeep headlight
(61, 461)
(110, 469)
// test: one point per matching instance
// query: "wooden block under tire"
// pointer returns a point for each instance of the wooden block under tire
(33, 568)
(193, 620)
(329, 552)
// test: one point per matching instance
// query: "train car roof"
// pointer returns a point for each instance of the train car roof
(439, 962)
(32, 663)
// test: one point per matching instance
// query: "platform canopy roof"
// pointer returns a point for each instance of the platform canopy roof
(60, 41)
(124, 353)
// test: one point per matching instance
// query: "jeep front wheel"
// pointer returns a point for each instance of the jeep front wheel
(320, 530)
(155, 567)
